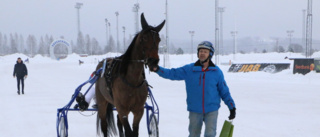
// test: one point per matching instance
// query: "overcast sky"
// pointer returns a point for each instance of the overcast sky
(251, 18)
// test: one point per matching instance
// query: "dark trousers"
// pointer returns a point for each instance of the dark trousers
(22, 83)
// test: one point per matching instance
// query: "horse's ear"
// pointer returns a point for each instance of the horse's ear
(159, 27)
(144, 23)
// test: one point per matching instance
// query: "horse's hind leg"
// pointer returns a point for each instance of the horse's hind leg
(105, 114)
(120, 127)
(105, 121)
(102, 118)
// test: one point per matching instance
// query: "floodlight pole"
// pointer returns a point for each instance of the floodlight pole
(117, 49)
(234, 34)
(124, 38)
(135, 9)
(217, 31)
(309, 30)
(78, 6)
(221, 10)
(303, 27)
(106, 20)
(290, 35)
(192, 34)
(167, 49)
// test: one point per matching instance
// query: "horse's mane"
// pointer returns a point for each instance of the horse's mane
(125, 58)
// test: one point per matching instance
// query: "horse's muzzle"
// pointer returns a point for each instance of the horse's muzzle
(152, 63)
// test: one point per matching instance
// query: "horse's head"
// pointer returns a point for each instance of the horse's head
(149, 40)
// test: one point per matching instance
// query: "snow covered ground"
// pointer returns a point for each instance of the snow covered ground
(268, 105)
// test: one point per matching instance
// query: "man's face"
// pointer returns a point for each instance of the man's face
(19, 60)
(203, 54)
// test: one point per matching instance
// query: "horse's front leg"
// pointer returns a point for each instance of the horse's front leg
(136, 121)
(124, 120)
(120, 127)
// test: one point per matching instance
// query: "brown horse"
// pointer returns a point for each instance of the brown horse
(127, 87)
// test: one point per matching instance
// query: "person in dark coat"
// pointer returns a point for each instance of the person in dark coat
(20, 71)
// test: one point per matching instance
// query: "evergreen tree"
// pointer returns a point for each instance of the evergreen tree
(172, 49)
(31, 44)
(5, 45)
(264, 51)
(72, 46)
(179, 51)
(295, 48)
(1, 45)
(80, 44)
(111, 46)
(13, 44)
(88, 47)
(281, 49)
(42, 49)
(95, 47)
(21, 44)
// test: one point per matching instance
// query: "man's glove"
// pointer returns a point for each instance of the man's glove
(232, 114)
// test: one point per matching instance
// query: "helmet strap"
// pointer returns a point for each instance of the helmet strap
(201, 62)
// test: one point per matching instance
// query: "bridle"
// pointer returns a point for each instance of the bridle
(144, 60)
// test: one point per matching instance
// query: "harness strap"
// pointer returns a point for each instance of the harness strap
(131, 85)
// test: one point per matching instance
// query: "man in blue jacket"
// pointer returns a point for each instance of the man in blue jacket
(205, 87)
(20, 70)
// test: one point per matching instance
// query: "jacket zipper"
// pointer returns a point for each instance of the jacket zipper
(204, 75)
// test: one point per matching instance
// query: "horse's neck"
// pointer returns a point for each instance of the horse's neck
(135, 68)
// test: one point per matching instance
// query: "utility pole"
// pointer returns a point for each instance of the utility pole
(234, 34)
(124, 39)
(117, 14)
(303, 27)
(216, 31)
(78, 6)
(166, 52)
(221, 10)
(106, 20)
(290, 35)
(135, 9)
(309, 30)
(192, 34)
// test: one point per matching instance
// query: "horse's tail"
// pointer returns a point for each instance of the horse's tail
(108, 129)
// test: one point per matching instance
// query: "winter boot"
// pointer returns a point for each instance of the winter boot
(83, 105)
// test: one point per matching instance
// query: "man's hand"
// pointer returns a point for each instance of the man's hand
(25, 76)
(14, 76)
(232, 114)
(155, 69)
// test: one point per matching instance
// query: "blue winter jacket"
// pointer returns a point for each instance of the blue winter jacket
(205, 88)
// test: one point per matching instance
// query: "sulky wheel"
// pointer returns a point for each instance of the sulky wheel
(153, 126)
(62, 128)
